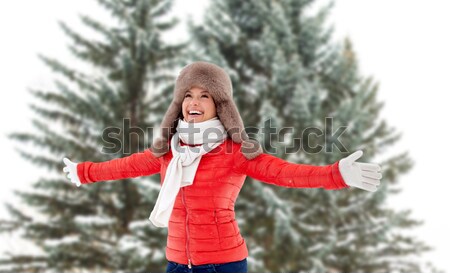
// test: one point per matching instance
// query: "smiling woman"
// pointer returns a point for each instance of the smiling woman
(198, 105)
(201, 177)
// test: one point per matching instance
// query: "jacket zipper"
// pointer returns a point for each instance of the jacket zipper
(187, 231)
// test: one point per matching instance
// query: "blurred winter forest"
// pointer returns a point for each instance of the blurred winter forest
(285, 67)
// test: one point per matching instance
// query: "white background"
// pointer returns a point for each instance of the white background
(403, 44)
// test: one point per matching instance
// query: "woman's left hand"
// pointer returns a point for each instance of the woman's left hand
(365, 176)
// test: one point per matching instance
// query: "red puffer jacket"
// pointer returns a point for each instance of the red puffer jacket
(202, 227)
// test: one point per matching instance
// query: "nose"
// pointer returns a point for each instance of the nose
(194, 101)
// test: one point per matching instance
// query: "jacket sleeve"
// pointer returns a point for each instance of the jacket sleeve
(137, 164)
(274, 170)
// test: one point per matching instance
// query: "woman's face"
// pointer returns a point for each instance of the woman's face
(198, 105)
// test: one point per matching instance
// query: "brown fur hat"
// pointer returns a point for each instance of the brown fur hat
(213, 78)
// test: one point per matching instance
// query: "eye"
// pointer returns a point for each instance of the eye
(187, 95)
(205, 96)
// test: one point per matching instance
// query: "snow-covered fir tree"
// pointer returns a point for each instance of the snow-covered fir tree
(285, 68)
(286, 74)
(102, 227)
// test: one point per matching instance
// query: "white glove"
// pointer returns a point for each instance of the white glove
(71, 169)
(365, 176)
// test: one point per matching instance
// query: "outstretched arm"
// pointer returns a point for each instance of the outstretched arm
(342, 174)
(137, 164)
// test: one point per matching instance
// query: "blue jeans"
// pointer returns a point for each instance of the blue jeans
(233, 267)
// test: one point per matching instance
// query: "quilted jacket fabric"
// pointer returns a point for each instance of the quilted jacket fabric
(202, 228)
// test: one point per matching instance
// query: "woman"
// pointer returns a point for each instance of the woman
(204, 156)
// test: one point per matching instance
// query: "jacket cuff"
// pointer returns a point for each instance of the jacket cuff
(339, 182)
(82, 172)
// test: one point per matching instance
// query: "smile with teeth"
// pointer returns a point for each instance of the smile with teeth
(195, 112)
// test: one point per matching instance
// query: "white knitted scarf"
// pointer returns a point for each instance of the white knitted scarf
(183, 166)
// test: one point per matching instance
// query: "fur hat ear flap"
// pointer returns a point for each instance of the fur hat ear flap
(160, 145)
(232, 121)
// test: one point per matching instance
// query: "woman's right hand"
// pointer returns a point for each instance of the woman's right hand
(71, 169)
